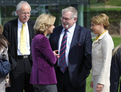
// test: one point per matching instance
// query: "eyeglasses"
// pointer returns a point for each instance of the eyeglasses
(25, 13)
(62, 18)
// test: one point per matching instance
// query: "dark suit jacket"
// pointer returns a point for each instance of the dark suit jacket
(115, 72)
(79, 63)
(11, 34)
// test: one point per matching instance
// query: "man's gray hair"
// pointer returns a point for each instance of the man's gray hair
(18, 7)
(71, 9)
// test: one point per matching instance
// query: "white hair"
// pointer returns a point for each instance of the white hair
(71, 9)
(18, 7)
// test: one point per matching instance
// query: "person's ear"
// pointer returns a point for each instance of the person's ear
(75, 19)
(101, 24)
(17, 12)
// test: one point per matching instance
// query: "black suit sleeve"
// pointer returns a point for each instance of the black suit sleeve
(87, 63)
(6, 33)
(115, 72)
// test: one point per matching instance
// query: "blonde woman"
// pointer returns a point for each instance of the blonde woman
(43, 75)
(116, 70)
(101, 54)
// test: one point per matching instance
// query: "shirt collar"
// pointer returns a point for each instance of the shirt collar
(71, 29)
(101, 36)
(21, 23)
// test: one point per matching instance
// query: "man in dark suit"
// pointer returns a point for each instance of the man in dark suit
(71, 75)
(21, 61)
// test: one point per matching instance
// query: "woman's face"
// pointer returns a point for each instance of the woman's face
(95, 28)
(50, 29)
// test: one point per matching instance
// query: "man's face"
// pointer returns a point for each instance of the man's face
(67, 20)
(24, 13)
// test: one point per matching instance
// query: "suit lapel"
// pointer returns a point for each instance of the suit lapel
(58, 35)
(15, 31)
(75, 36)
(30, 32)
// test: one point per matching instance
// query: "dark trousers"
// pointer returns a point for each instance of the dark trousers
(20, 76)
(64, 83)
(7, 89)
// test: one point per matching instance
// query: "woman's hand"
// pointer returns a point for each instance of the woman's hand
(99, 87)
(56, 53)
(91, 84)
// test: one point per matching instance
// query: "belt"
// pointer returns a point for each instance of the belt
(24, 57)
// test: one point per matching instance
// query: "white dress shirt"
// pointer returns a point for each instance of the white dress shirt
(68, 43)
(27, 38)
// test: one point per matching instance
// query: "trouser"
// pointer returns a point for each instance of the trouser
(20, 76)
(45, 88)
(64, 83)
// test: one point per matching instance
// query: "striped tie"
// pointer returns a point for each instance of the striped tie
(62, 59)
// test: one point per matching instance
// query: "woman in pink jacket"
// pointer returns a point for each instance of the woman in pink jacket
(43, 75)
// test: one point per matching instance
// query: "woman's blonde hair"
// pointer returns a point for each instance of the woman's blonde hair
(101, 18)
(1, 29)
(43, 22)
(115, 50)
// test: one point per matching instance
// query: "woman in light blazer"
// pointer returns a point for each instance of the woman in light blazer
(101, 54)
(43, 75)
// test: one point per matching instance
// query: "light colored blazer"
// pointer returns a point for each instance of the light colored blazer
(101, 57)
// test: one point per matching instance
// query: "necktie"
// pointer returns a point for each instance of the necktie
(62, 59)
(23, 44)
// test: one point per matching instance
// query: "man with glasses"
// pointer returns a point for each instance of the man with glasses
(19, 33)
(74, 45)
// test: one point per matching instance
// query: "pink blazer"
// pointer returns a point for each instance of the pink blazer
(43, 61)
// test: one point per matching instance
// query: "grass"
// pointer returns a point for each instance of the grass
(100, 6)
(106, 9)
(116, 41)
(113, 2)
(108, 2)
